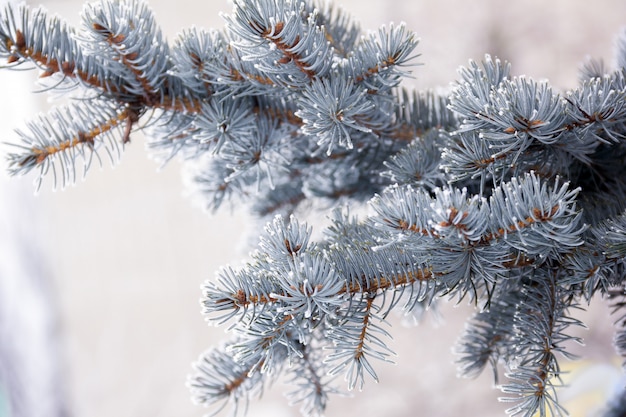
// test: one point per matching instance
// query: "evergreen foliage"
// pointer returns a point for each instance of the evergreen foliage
(502, 192)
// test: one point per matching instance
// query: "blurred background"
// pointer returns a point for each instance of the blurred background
(100, 283)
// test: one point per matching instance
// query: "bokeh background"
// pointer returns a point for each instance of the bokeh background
(100, 283)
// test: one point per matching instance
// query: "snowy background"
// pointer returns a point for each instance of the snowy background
(111, 268)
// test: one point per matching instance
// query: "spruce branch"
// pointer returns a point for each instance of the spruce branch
(515, 117)
(503, 191)
(379, 58)
(285, 34)
(541, 321)
(356, 341)
(312, 384)
(55, 141)
(219, 381)
(106, 34)
(487, 338)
